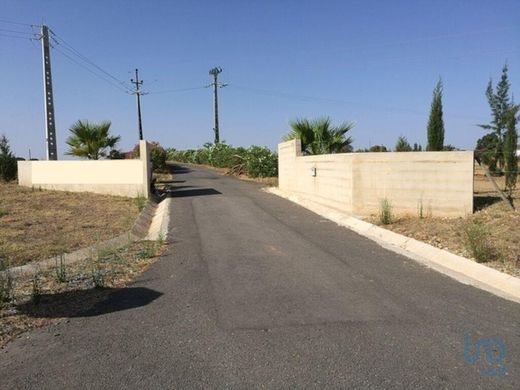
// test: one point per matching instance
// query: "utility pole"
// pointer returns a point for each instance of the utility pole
(138, 93)
(215, 72)
(50, 123)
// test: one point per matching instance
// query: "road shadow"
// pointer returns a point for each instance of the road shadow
(179, 169)
(193, 192)
(88, 303)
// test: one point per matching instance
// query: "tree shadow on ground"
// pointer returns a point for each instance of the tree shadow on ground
(179, 169)
(193, 192)
(88, 303)
(481, 202)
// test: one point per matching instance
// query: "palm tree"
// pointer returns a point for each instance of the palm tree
(91, 140)
(318, 136)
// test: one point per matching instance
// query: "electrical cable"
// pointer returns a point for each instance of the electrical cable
(175, 90)
(90, 70)
(72, 50)
(17, 23)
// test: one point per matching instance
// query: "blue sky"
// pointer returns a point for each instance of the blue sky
(374, 63)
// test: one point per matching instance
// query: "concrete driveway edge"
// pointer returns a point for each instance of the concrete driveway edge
(457, 267)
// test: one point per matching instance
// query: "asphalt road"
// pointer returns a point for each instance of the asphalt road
(257, 292)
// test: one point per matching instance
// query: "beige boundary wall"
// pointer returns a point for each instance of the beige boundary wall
(113, 177)
(439, 182)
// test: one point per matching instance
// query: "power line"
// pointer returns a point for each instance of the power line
(90, 70)
(280, 94)
(72, 50)
(18, 23)
(16, 31)
(175, 90)
(16, 36)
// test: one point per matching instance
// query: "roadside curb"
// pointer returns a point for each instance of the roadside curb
(160, 222)
(457, 267)
(151, 224)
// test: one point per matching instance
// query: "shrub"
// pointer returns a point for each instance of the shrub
(385, 212)
(260, 162)
(402, 145)
(8, 165)
(158, 155)
(61, 272)
(221, 155)
(201, 156)
(477, 241)
(6, 282)
(255, 161)
(378, 148)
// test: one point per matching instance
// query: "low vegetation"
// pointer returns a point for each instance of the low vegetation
(255, 161)
(158, 155)
(69, 290)
(385, 212)
(36, 224)
(490, 235)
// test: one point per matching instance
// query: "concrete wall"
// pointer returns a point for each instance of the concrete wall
(113, 177)
(442, 182)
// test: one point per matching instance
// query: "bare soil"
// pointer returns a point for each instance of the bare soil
(502, 225)
(39, 224)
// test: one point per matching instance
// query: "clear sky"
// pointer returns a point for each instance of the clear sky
(374, 63)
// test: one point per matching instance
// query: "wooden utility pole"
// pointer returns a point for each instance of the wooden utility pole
(50, 123)
(138, 93)
(215, 72)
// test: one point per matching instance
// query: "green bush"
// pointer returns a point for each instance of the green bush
(158, 155)
(260, 162)
(385, 212)
(221, 155)
(255, 161)
(8, 165)
(477, 241)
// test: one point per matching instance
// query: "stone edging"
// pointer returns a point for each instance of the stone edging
(457, 267)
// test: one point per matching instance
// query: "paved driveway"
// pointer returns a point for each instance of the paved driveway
(256, 292)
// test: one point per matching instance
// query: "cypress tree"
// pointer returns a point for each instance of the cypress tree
(435, 122)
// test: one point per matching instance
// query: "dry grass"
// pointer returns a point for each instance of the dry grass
(46, 299)
(36, 225)
(501, 225)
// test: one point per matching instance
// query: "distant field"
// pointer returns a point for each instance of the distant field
(36, 225)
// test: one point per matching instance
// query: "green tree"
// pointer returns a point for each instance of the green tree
(436, 122)
(510, 144)
(485, 151)
(402, 145)
(500, 103)
(91, 140)
(318, 136)
(8, 165)
(417, 147)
